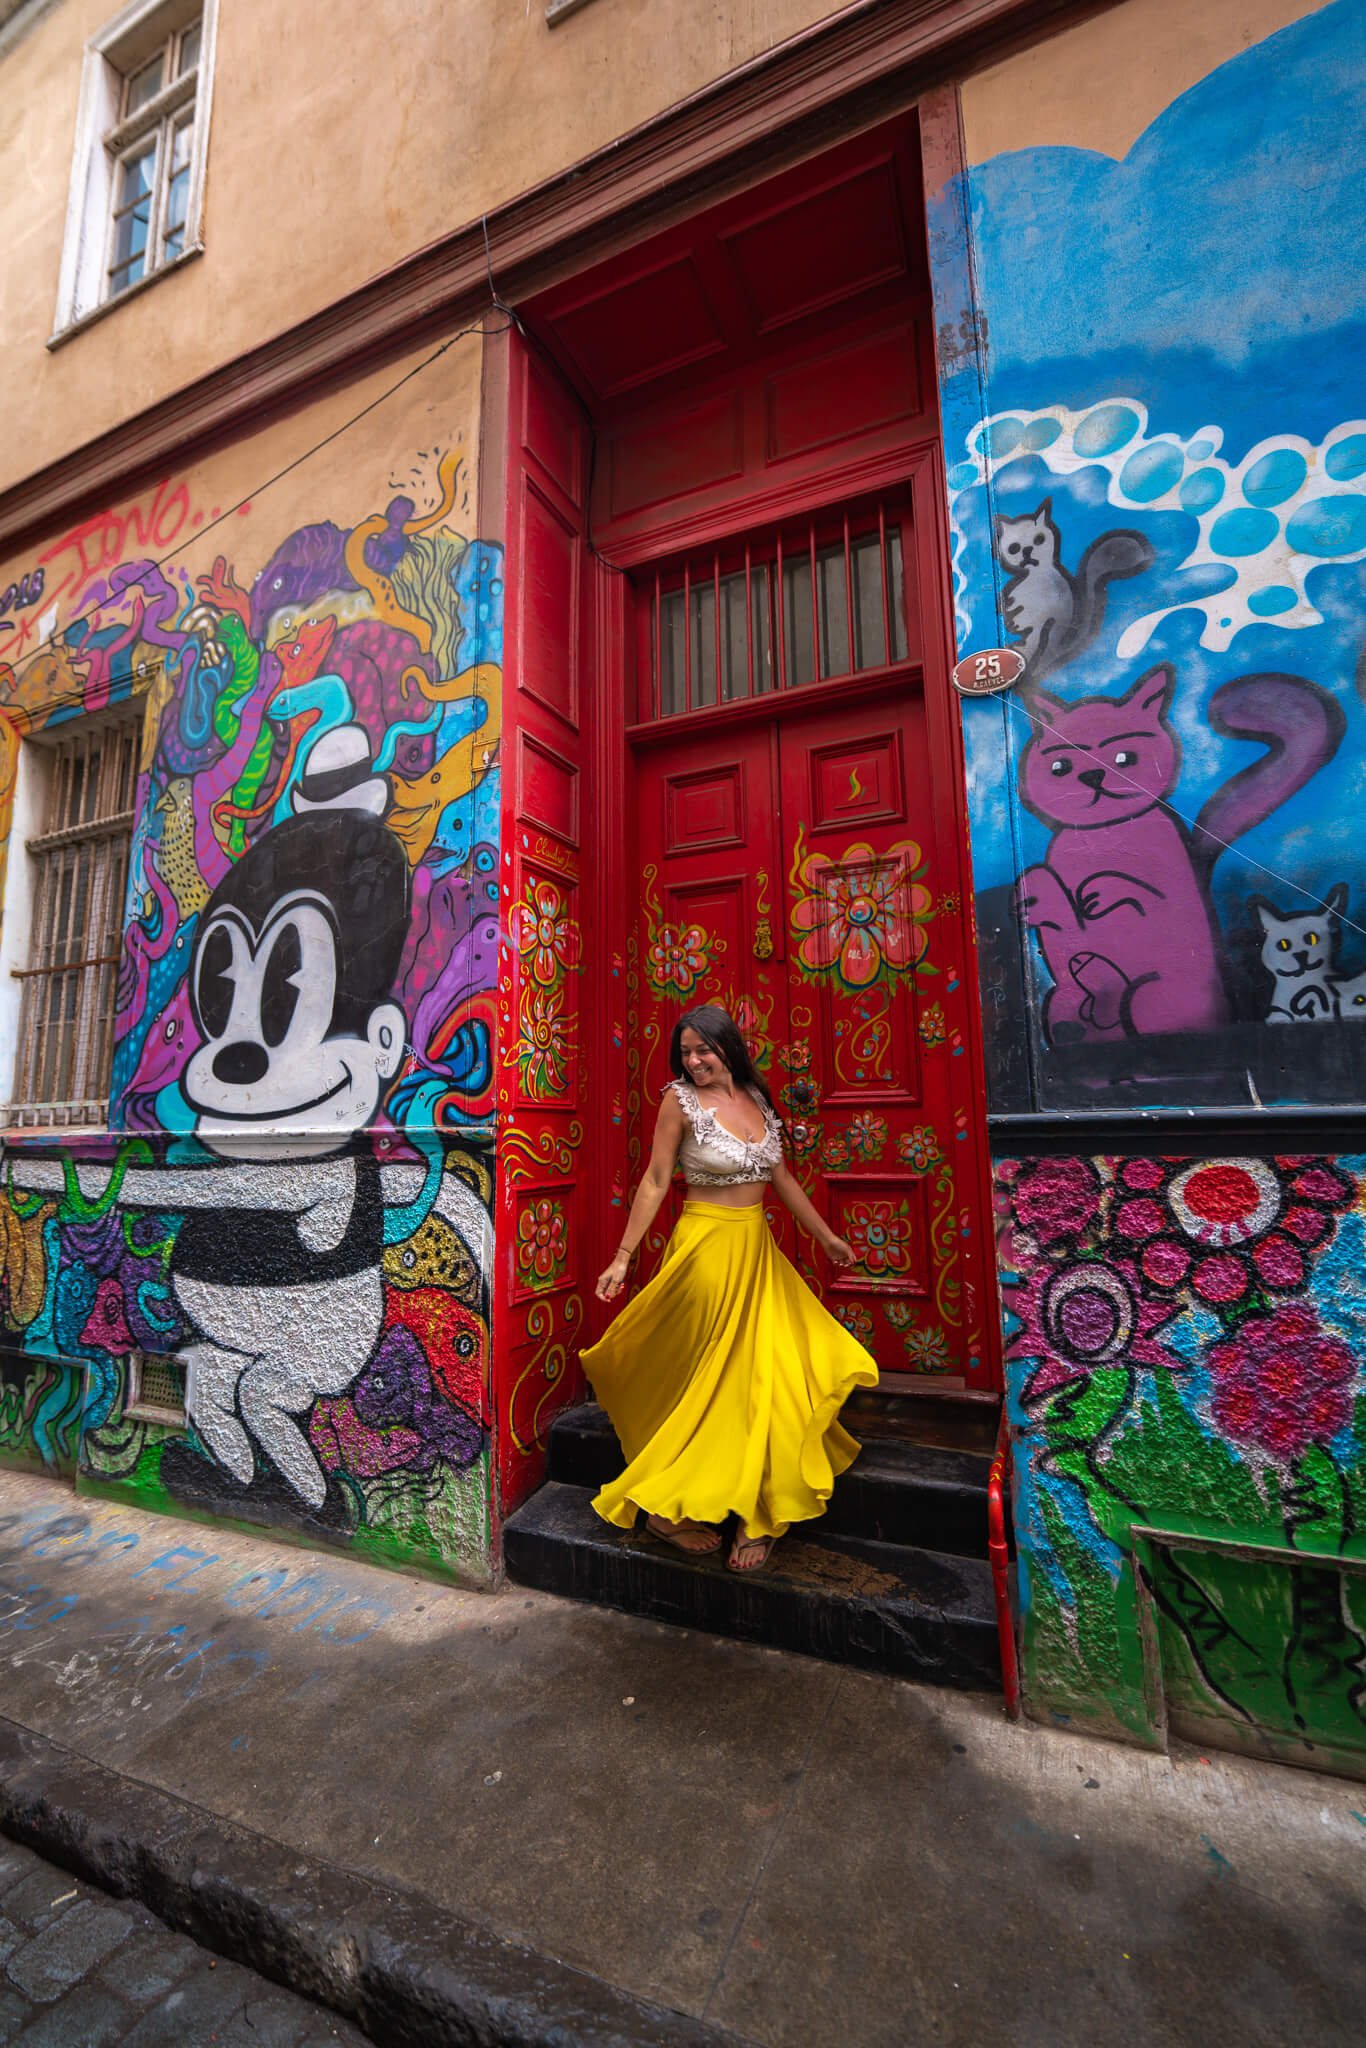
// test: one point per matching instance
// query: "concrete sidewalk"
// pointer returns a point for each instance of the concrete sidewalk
(780, 1850)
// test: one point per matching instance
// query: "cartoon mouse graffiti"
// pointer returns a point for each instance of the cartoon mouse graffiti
(277, 1263)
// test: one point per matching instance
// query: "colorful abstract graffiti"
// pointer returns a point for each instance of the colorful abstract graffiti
(1186, 1382)
(294, 1201)
(1161, 502)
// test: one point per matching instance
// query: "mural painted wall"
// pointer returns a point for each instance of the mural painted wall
(1156, 455)
(294, 1197)
(1151, 362)
(1187, 1355)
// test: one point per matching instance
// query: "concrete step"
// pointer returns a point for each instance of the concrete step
(915, 1613)
(896, 1491)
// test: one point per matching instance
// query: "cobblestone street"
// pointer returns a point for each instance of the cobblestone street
(79, 1969)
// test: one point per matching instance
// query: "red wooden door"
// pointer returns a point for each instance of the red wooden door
(796, 866)
(710, 849)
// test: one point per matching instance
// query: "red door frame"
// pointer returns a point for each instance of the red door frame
(609, 878)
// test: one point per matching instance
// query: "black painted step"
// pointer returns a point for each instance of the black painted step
(915, 1613)
(950, 1418)
(895, 1492)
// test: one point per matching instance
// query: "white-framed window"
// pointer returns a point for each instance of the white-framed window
(137, 174)
(76, 797)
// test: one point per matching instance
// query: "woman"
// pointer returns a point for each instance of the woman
(725, 1375)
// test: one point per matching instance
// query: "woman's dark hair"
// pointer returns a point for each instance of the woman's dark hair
(721, 1032)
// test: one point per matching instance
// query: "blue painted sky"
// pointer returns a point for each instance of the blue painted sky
(1249, 183)
(1214, 283)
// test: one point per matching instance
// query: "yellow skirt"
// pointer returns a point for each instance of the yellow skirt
(723, 1379)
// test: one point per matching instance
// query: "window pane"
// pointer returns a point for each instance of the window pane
(799, 662)
(834, 611)
(672, 673)
(132, 217)
(896, 594)
(66, 1035)
(746, 653)
(703, 645)
(135, 182)
(178, 188)
(144, 85)
(837, 602)
(188, 55)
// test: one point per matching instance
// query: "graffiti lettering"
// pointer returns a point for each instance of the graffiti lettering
(18, 596)
(150, 525)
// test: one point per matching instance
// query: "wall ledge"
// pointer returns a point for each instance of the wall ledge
(1194, 1132)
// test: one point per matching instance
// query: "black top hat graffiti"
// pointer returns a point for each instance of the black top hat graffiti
(338, 775)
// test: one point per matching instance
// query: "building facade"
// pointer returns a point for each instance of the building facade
(508, 585)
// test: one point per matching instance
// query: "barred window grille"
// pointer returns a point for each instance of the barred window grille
(813, 602)
(66, 1035)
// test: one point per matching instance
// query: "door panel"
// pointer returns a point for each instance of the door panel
(872, 1112)
(707, 834)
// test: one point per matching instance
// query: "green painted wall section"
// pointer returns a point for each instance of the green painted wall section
(1185, 1341)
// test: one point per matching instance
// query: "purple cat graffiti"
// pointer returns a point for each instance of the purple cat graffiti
(1122, 906)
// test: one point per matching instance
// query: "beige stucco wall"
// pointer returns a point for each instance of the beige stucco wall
(346, 134)
(237, 504)
(1099, 84)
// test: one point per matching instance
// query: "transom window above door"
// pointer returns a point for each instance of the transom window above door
(810, 601)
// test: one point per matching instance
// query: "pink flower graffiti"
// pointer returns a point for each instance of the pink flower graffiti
(1282, 1383)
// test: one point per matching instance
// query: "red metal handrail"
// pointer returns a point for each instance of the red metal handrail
(1000, 1570)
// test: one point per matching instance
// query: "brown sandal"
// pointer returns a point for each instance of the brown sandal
(678, 1534)
(763, 1544)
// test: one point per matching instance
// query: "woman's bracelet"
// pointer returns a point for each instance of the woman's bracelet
(624, 1251)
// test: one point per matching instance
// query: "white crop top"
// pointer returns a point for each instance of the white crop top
(710, 1156)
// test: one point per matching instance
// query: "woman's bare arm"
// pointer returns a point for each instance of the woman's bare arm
(654, 1186)
(798, 1204)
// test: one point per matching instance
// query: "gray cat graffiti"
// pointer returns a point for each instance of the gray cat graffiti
(1297, 952)
(1053, 614)
(1350, 994)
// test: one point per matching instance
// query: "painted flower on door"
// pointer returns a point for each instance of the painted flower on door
(856, 1319)
(919, 1148)
(927, 1348)
(548, 939)
(547, 934)
(933, 1026)
(801, 1094)
(868, 1134)
(676, 958)
(542, 1243)
(543, 1052)
(861, 918)
(880, 1233)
